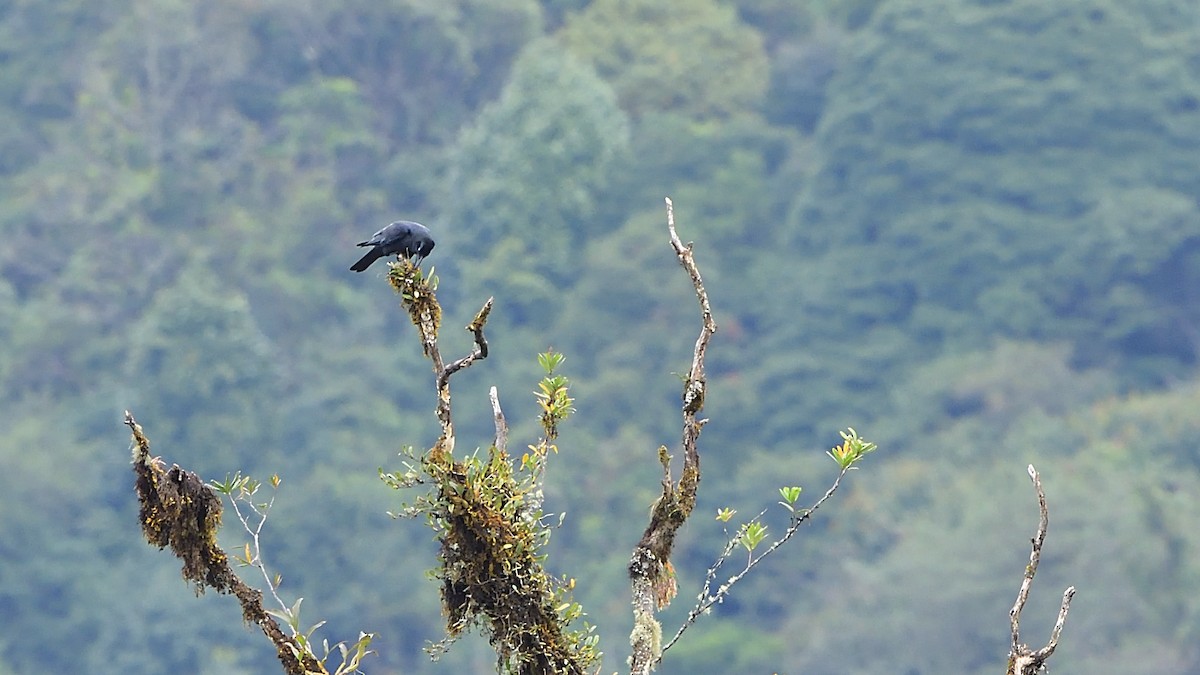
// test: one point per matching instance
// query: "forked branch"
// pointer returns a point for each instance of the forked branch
(486, 520)
(1022, 660)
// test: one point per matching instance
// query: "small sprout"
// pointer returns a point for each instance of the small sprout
(851, 450)
(290, 616)
(725, 514)
(550, 360)
(552, 396)
(752, 535)
(353, 655)
(235, 483)
(529, 460)
(790, 495)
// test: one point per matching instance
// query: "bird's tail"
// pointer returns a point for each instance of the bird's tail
(365, 261)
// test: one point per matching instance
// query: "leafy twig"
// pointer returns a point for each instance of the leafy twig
(847, 454)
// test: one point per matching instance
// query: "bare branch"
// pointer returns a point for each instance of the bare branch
(1021, 659)
(501, 441)
(255, 531)
(651, 573)
(1044, 653)
(481, 345)
(1035, 557)
(426, 314)
(684, 252)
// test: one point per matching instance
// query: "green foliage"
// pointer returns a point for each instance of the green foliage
(790, 495)
(689, 57)
(982, 393)
(958, 198)
(322, 119)
(851, 450)
(527, 180)
(552, 397)
(558, 10)
(729, 178)
(352, 655)
(1115, 523)
(752, 535)
(487, 515)
(725, 647)
(209, 364)
(969, 225)
(985, 162)
(422, 65)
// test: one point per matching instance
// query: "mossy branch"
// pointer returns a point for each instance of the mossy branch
(488, 521)
(179, 510)
(651, 573)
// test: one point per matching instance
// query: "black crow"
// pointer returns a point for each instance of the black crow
(401, 238)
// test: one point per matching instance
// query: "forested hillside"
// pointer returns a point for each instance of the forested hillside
(968, 228)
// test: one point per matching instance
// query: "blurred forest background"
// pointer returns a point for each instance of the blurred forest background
(968, 228)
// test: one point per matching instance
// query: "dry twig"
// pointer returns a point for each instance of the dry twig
(1022, 660)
